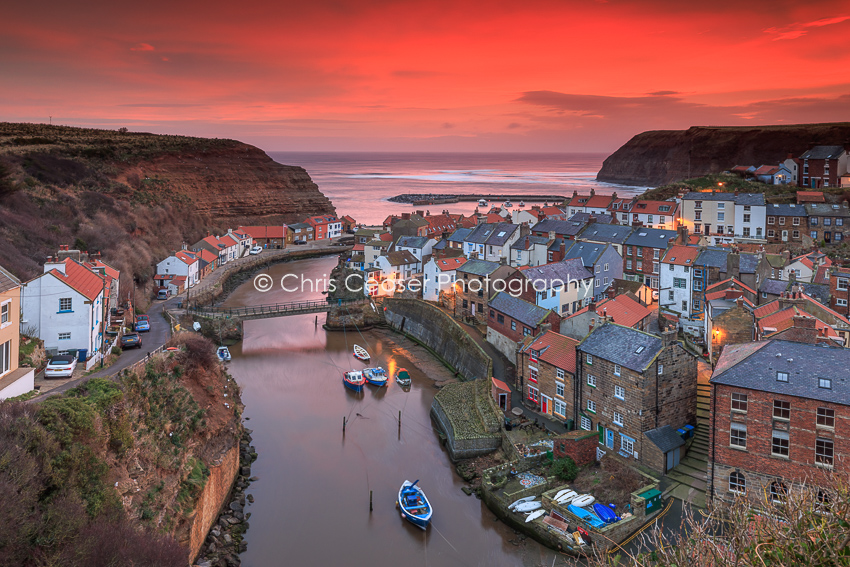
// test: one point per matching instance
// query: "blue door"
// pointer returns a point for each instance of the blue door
(609, 438)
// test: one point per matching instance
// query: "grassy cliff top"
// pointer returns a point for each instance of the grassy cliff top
(730, 183)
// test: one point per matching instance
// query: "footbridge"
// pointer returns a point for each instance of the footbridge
(274, 309)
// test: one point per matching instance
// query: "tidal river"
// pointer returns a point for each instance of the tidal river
(312, 497)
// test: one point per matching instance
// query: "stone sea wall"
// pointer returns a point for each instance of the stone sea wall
(212, 498)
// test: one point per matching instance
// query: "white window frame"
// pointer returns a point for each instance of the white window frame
(6, 313)
(591, 380)
(65, 336)
(560, 388)
(69, 301)
(617, 370)
(559, 373)
(585, 423)
(618, 418)
(739, 428)
(627, 444)
(619, 392)
(560, 408)
(591, 406)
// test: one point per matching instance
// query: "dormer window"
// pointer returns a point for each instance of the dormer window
(825, 383)
(639, 349)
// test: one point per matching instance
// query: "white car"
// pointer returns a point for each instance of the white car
(255, 250)
(655, 295)
(61, 366)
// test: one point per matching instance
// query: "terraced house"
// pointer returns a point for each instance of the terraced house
(781, 416)
(511, 319)
(629, 383)
(546, 367)
(827, 221)
(644, 249)
(786, 223)
(478, 281)
(724, 217)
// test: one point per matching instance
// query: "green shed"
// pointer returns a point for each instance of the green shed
(653, 500)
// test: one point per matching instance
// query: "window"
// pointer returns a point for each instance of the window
(826, 417)
(813, 221)
(585, 423)
(532, 374)
(838, 236)
(628, 264)
(796, 221)
(591, 380)
(839, 222)
(560, 408)
(671, 265)
(778, 491)
(746, 218)
(533, 394)
(544, 294)
(697, 204)
(746, 231)
(597, 269)
(656, 253)
(771, 220)
(606, 267)
(589, 359)
(591, 406)
(738, 435)
(64, 336)
(649, 218)
(500, 318)
(65, 304)
(559, 373)
(779, 444)
(660, 369)
(605, 281)
(5, 357)
(781, 376)
(697, 228)
(697, 285)
(640, 264)
(737, 483)
(559, 389)
(616, 370)
(796, 234)
(680, 283)
(619, 392)
(618, 419)
(684, 306)
(721, 217)
(842, 284)
(781, 409)
(739, 402)
(670, 295)
(781, 220)
(596, 282)
(628, 250)
(825, 383)
(824, 452)
(827, 221)
(770, 233)
(513, 325)
(4, 313)
(721, 205)
(627, 445)
(526, 332)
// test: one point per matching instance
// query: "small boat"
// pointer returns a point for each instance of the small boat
(414, 505)
(521, 204)
(513, 506)
(482, 202)
(223, 354)
(567, 497)
(583, 500)
(561, 493)
(586, 515)
(508, 204)
(361, 353)
(528, 506)
(534, 515)
(353, 380)
(375, 376)
(577, 538)
(605, 513)
(402, 376)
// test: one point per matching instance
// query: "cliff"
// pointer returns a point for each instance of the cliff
(664, 156)
(135, 196)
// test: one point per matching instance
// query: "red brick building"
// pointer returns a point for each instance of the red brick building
(780, 416)
(822, 166)
(643, 252)
(546, 368)
(839, 290)
(512, 319)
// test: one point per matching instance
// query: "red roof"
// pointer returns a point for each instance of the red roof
(358, 248)
(178, 279)
(258, 232)
(732, 282)
(774, 306)
(766, 170)
(653, 208)
(806, 260)
(109, 270)
(785, 320)
(80, 279)
(620, 205)
(552, 211)
(494, 217)
(810, 197)
(598, 201)
(556, 349)
(213, 241)
(207, 256)
(385, 237)
(500, 385)
(822, 275)
(438, 224)
(348, 219)
(622, 309)
(186, 258)
(681, 255)
(450, 263)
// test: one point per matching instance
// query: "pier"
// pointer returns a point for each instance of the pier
(497, 198)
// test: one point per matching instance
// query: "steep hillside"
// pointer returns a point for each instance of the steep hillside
(135, 196)
(664, 156)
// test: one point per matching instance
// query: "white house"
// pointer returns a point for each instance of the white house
(530, 250)
(564, 287)
(676, 279)
(804, 267)
(64, 307)
(232, 246)
(182, 263)
(498, 244)
(526, 216)
(655, 214)
(392, 270)
(419, 246)
(750, 216)
(439, 275)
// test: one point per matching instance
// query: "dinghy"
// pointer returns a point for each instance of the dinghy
(482, 202)
(361, 353)
(223, 354)
(508, 204)
(528, 507)
(375, 376)
(413, 504)
(583, 500)
(605, 513)
(534, 515)
(513, 506)
(353, 380)
(402, 376)
(567, 497)
(587, 516)
(561, 493)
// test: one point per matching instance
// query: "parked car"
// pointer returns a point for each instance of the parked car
(299, 242)
(142, 324)
(655, 295)
(163, 293)
(61, 366)
(255, 250)
(130, 340)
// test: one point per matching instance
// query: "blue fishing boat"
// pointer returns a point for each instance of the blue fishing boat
(376, 376)
(413, 504)
(605, 513)
(353, 380)
(587, 516)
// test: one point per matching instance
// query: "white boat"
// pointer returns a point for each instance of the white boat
(561, 493)
(528, 506)
(361, 353)
(520, 501)
(482, 202)
(521, 204)
(223, 354)
(508, 204)
(567, 497)
(375, 376)
(583, 501)
(534, 515)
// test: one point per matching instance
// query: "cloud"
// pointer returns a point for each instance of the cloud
(143, 47)
(448, 125)
(799, 29)
(514, 125)
(663, 93)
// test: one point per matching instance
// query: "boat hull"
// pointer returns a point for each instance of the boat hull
(353, 387)
(419, 520)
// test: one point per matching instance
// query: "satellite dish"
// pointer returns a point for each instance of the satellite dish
(196, 326)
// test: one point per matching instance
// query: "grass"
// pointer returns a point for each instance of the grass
(611, 480)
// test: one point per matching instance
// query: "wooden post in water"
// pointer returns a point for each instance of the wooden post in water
(343, 424)
(370, 500)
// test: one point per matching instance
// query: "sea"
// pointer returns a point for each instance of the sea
(360, 183)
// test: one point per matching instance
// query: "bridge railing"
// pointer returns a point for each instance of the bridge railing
(272, 308)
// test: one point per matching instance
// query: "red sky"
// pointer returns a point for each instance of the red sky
(550, 76)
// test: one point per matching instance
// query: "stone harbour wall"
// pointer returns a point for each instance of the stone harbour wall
(212, 498)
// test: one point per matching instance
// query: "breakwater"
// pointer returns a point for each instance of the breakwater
(498, 198)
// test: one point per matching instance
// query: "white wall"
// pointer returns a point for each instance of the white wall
(432, 284)
(757, 224)
(40, 305)
(22, 385)
(666, 277)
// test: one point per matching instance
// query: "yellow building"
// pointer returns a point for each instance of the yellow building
(14, 380)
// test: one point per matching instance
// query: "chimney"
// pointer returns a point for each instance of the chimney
(736, 192)
(805, 329)
(592, 306)
(739, 302)
(614, 196)
(733, 265)
(592, 324)
(637, 224)
(792, 277)
(591, 219)
(592, 192)
(668, 337)
(551, 235)
(683, 235)
(419, 213)
(545, 327)
(54, 263)
(405, 216)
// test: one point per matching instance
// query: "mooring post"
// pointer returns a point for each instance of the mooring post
(370, 500)
(343, 424)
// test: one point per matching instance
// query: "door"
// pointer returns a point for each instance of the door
(546, 404)
(609, 438)
(784, 236)
(673, 459)
(503, 401)
(472, 306)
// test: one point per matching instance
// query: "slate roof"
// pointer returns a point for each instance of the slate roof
(401, 258)
(804, 363)
(556, 349)
(481, 233)
(441, 244)
(589, 252)
(786, 210)
(748, 263)
(823, 152)
(613, 233)
(583, 218)
(459, 235)
(650, 237)
(773, 287)
(412, 241)
(526, 242)
(819, 292)
(557, 273)
(752, 199)
(526, 313)
(501, 233)
(713, 258)
(479, 267)
(826, 210)
(297, 225)
(561, 227)
(622, 345)
(7, 280)
(665, 438)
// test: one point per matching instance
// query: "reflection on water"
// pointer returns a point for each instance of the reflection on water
(312, 499)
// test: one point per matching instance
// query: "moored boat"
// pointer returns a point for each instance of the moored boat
(482, 202)
(375, 376)
(414, 505)
(353, 380)
(402, 376)
(223, 353)
(508, 204)
(361, 353)
(521, 204)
